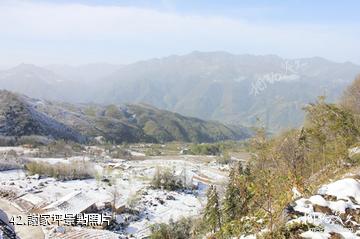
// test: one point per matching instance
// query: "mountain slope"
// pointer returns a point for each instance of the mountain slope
(169, 126)
(138, 123)
(236, 89)
(21, 116)
(84, 73)
(230, 88)
(31, 80)
(17, 119)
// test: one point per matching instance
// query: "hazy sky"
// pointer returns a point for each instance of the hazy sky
(75, 32)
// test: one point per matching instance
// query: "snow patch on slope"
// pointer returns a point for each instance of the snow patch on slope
(333, 209)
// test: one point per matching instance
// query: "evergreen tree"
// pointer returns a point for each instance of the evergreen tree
(212, 209)
(231, 199)
(243, 171)
(238, 193)
(247, 171)
(240, 169)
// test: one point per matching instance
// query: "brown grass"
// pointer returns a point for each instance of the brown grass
(62, 171)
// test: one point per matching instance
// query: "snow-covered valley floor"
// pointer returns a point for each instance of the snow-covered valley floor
(131, 181)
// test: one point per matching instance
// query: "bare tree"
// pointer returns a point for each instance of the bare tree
(115, 195)
(351, 96)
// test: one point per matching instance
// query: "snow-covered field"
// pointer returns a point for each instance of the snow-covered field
(131, 179)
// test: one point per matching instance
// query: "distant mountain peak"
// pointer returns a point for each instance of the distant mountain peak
(209, 85)
(27, 67)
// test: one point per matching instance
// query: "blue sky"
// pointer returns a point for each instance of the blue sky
(76, 32)
(318, 11)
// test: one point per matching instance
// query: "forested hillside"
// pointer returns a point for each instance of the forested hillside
(24, 116)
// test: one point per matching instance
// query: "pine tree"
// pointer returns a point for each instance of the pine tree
(244, 186)
(247, 171)
(231, 198)
(212, 210)
(240, 169)
(237, 194)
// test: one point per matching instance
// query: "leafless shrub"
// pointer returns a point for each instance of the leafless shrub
(62, 171)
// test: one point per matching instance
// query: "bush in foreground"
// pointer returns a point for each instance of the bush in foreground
(174, 230)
